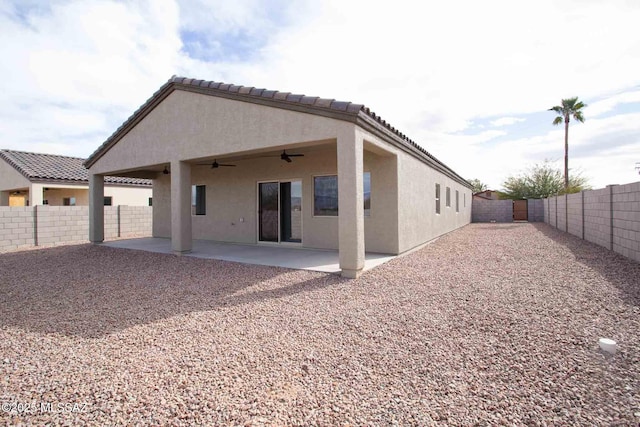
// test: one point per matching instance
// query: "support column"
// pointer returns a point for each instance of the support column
(350, 204)
(181, 239)
(36, 192)
(96, 208)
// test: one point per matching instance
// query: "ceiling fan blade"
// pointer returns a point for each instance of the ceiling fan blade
(287, 159)
(229, 166)
(295, 155)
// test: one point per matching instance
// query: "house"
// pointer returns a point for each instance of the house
(487, 195)
(29, 179)
(246, 165)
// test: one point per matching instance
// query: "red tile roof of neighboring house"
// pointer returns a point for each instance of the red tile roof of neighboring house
(51, 167)
(341, 110)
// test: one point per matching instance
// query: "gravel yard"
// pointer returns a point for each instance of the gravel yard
(494, 324)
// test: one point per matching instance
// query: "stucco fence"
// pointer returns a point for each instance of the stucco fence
(502, 210)
(609, 217)
(43, 226)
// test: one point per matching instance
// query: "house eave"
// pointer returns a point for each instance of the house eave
(348, 112)
(171, 86)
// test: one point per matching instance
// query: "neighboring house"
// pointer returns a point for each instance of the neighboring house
(487, 195)
(282, 151)
(28, 179)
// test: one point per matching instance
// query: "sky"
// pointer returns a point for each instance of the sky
(470, 81)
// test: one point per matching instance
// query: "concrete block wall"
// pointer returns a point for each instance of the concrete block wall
(111, 222)
(597, 217)
(502, 210)
(562, 212)
(491, 210)
(545, 203)
(43, 226)
(57, 225)
(626, 220)
(16, 227)
(609, 217)
(136, 220)
(574, 212)
(535, 210)
(553, 202)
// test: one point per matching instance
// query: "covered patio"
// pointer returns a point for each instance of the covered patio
(273, 169)
(327, 261)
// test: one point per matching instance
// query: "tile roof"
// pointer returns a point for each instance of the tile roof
(51, 167)
(342, 110)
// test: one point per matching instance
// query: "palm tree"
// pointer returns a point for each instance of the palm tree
(568, 108)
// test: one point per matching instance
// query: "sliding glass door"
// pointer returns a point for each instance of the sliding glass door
(280, 211)
(268, 211)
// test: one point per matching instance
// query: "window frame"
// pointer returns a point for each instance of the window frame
(364, 209)
(198, 200)
(313, 198)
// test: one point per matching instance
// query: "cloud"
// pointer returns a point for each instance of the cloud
(74, 71)
(605, 150)
(77, 70)
(505, 121)
(607, 104)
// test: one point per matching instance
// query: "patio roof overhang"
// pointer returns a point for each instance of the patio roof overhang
(330, 108)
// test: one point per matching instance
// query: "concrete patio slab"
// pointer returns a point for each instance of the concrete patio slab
(289, 257)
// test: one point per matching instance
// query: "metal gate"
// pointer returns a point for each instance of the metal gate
(520, 209)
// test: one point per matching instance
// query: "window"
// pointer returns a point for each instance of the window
(457, 201)
(438, 199)
(325, 195)
(45, 202)
(150, 201)
(448, 197)
(366, 183)
(108, 201)
(69, 201)
(198, 200)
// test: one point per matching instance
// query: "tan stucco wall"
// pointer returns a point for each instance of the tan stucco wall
(231, 194)
(162, 206)
(54, 196)
(187, 126)
(418, 220)
(121, 195)
(127, 196)
(11, 179)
